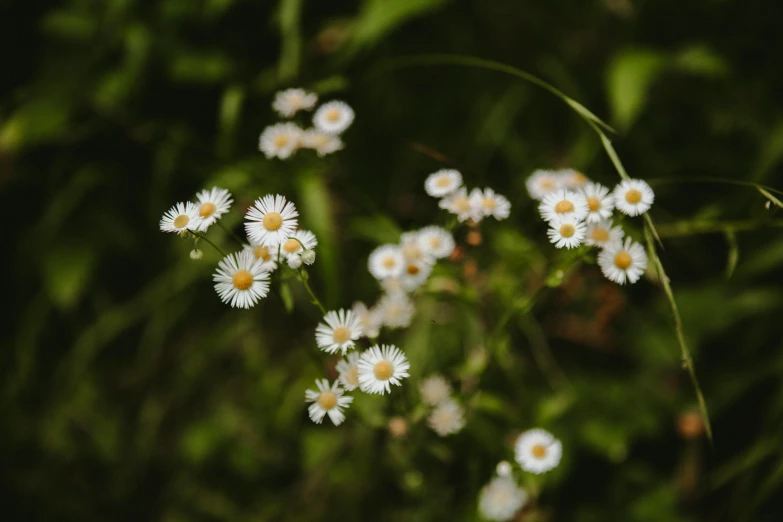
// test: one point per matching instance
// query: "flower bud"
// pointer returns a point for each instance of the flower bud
(196, 254)
(308, 257)
(294, 261)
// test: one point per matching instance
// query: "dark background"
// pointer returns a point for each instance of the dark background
(129, 392)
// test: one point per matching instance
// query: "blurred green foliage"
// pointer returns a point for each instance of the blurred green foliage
(130, 392)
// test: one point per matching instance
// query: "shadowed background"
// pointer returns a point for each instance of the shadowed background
(129, 392)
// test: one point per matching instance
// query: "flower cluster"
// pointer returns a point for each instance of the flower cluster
(447, 416)
(197, 216)
(579, 211)
(476, 205)
(330, 120)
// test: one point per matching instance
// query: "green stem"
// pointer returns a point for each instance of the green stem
(689, 228)
(303, 279)
(232, 234)
(201, 235)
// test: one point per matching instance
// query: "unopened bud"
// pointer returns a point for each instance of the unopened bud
(196, 254)
(308, 257)
(503, 469)
(294, 261)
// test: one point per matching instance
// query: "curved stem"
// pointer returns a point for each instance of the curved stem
(232, 234)
(201, 235)
(316, 301)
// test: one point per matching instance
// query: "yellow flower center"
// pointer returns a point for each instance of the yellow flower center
(435, 242)
(548, 184)
(281, 140)
(341, 334)
(333, 114)
(389, 262)
(462, 204)
(291, 246)
(633, 196)
(538, 451)
(206, 209)
(622, 260)
(242, 279)
(181, 220)
(262, 252)
(594, 204)
(489, 203)
(272, 221)
(567, 230)
(412, 269)
(327, 400)
(564, 206)
(352, 376)
(601, 235)
(443, 181)
(411, 251)
(383, 370)
(579, 179)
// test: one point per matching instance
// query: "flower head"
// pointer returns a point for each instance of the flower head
(271, 220)
(492, 204)
(543, 182)
(180, 218)
(342, 328)
(415, 274)
(572, 179)
(599, 202)
(328, 400)
(464, 206)
(446, 418)
(333, 117)
(321, 142)
(211, 205)
(240, 280)
(369, 318)
(633, 197)
(602, 233)
(396, 310)
(264, 254)
(293, 245)
(443, 182)
(290, 101)
(501, 499)
(563, 203)
(436, 242)
(348, 371)
(386, 261)
(434, 390)
(567, 231)
(537, 451)
(381, 366)
(621, 262)
(280, 140)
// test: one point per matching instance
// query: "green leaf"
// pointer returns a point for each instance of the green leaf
(630, 76)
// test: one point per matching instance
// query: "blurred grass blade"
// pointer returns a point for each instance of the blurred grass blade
(720, 181)
(291, 44)
(733, 256)
(770, 197)
(692, 228)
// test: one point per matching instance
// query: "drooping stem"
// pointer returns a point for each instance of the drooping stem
(201, 235)
(316, 301)
(231, 233)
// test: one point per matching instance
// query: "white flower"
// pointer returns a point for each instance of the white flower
(308, 257)
(396, 310)
(446, 418)
(212, 204)
(434, 390)
(321, 142)
(294, 261)
(181, 217)
(411, 250)
(566, 231)
(348, 370)
(492, 204)
(381, 366)
(602, 233)
(328, 400)
(196, 254)
(393, 286)
(280, 140)
(333, 117)
(271, 220)
(339, 333)
(386, 261)
(537, 451)
(599, 202)
(620, 262)
(436, 242)
(503, 469)
(265, 254)
(633, 197)
(562, 203)
(370, 319)
(290, 101)
(462, 205)
(442, 182)
(572, 179)
(543, 182)
(293, 245)
(415, 274)
(240, 280)
(501, 499)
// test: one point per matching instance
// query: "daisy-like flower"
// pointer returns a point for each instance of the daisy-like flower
(543, 182)
(240, 280)
(567, 232)
(381, 366)
(293, 245)
(443, 182)
(446, 418)
(572, 179)
(602, 233)
(396, 310)
(491, 203)
(180, 218)
(436, 242)
(459, 203)
(369, 318)
(386, 261)
(501, 499)
(537, 451)
(328, 400)
(290, 101)
(393, 286)
(321, 142)
(333, 117)
(434, 390)
(599, 202)
(339, 333)
(264, 254)
(563, 203)
(271, 220)
(348, 371)
(623, 261)
(212, 204)
(280, 140)
(633, 197)
(415, 274)
(411, 250)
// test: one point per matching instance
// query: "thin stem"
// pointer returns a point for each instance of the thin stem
(690, 228)
(303, 279)
(201, 235)
(232, 234)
